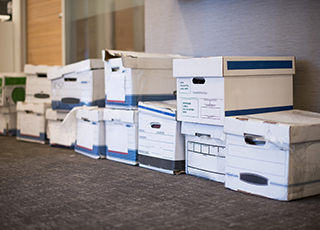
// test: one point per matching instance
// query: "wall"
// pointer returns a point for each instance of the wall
(240, 28)
(6, 47)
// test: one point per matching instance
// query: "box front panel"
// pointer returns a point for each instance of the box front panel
(90, 138)
(121, 141)
(60, 135)
(257, 167)
(85, 135)
(205, 157)
(157, 136)
(38, 89)
(31, 127)
(12, 94)
(200, 100)
(157, 143)
(74, 90)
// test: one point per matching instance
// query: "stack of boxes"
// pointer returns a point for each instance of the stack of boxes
(131, 77)
(233, 121)
(12, 90)
(71, 122)
(31, 122)
(210, 89)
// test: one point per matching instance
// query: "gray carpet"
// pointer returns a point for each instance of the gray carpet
(43, 187)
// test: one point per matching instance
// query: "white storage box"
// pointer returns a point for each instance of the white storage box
(205, 150)
(8, 120)
(208, 89)
(131, 77)
(161, 144)
(12, 88)
(122, 135)
(276, 155)
(78, 84)
(90, 139)
(31, 122)
(38, 86)
(60, 135)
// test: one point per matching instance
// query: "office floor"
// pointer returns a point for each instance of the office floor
(44, 187)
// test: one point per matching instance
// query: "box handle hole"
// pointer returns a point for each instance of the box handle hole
(254, 139)
(155, 125)
(198, 80)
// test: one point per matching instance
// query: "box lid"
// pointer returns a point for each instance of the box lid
(226, 66)
(38, 69)
(77, 67)
(90, 114)
(203, 130)
(166, 108)
(55, 115)
(15, 78)
(293, 126)
(121, 115)
(141, 60)
(31, 107)
(13, 74)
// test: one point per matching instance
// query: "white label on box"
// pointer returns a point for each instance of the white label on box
(190, 107)
(115, 87)
(30, 125)
(117, 137)
(85, 140)
(184, 85)
(210, 113)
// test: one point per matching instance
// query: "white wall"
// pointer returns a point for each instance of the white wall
(240, 28)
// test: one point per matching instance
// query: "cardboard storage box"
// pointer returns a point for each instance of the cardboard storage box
(122, 135)
(90, 140)
(31, 122)
(208, 89)
(78, 84)
(276, 155)
(205, 150)
(161, 144)
(8, 120)
(12, 88)
(38, 86)
(131, 77)
(60, 135)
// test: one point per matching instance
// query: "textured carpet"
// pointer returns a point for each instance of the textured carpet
(43, 187)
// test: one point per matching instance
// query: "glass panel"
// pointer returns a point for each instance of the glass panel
(94, 25)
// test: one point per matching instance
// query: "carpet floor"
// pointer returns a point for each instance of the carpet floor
(43, 187)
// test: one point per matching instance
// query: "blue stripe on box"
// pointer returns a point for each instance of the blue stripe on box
(293, 185)
(158, 111)
(131, 155)
(132, 100)
(257, 110)
(246, 65)
(95, 152)
(58, 105)
(12, 132)
(41, 137)
(233, 175)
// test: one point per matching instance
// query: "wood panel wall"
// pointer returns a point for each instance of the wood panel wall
(44, 32)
